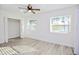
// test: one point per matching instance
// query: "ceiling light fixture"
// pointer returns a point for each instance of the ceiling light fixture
(29, 11)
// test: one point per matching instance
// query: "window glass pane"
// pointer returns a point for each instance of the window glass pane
(31, 24)
(58, 28)
(66, 27)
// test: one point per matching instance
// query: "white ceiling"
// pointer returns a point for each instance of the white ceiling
(43, 7)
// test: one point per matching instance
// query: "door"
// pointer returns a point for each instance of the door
(13, 28)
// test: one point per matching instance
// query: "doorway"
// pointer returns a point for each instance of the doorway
(13, 28)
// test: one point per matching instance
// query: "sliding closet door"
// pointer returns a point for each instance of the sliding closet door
(13, 28)
(2, 35)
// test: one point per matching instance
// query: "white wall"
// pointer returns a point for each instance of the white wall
(13, 28)
(42, 31)
(76, 41)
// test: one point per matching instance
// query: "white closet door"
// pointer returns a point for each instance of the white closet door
(13, 28)
(1, 30)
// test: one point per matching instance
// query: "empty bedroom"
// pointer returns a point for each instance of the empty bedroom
(39, 29)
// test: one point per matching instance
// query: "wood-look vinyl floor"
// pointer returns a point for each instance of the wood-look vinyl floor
(43, 48)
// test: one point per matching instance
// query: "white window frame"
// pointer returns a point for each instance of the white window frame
(69, 25)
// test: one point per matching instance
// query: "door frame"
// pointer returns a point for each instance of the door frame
(6, 27)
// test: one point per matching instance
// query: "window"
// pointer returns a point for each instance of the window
(31, 24)
(60, 24)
